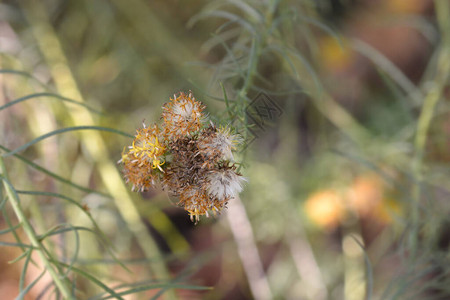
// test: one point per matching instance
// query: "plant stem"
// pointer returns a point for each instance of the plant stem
(429, 105)
(248, 251)
(34, 240)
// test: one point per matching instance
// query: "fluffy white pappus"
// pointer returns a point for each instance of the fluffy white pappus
(224, 184)
(187, 110)
(183, 109)
(225, 141)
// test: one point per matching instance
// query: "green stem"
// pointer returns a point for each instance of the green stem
(426, 115)
(14, 200)
(254, 57)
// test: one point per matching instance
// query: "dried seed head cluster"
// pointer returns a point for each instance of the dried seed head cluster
(187, 157)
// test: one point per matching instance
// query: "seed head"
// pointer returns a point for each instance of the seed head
(182, 116)
(198, 169)
(224, 183)
(144, 159)
(218, 143)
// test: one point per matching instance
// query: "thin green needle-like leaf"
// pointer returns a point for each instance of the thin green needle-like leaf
(102, 237)
(396, 92)
(93, 279)
(6, 180)
(225, 97)
(24, 74)
(281, 51)
(58, 230)
(157, 286)
(220, 38)
(19, 257)
(9, 229)
(2, 203)
(169, 286)
(252, 13)
(193, 265)
(7, 219)
(72, 201)
(390, 68)
(74, 285)
(74, 229)
(223, 14)
(62, 130)
(98, 232)
(49, 95)
(323, 27)
(22, 245)
(308, 67)
(54, 175)
(234, 65)
(30, 232)
(28, 288)
(408, 281)
(25, 268)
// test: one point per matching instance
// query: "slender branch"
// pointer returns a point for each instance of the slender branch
(14, 200)
(248, 252)
(426, 115)
(305, 262)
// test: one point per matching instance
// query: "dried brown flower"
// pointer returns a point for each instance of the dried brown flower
(189, 161)
(182, 116)
(144, 158)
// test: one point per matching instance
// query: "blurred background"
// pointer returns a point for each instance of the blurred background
(344, 108)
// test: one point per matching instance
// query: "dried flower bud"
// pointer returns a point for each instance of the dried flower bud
(224, 183)
(182, 116)
(197, 202)
(140, 176)
(218, 143)
(144, 158)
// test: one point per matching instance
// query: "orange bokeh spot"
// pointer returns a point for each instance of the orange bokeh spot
(325, 209)
(335, 55)
(366, 193)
